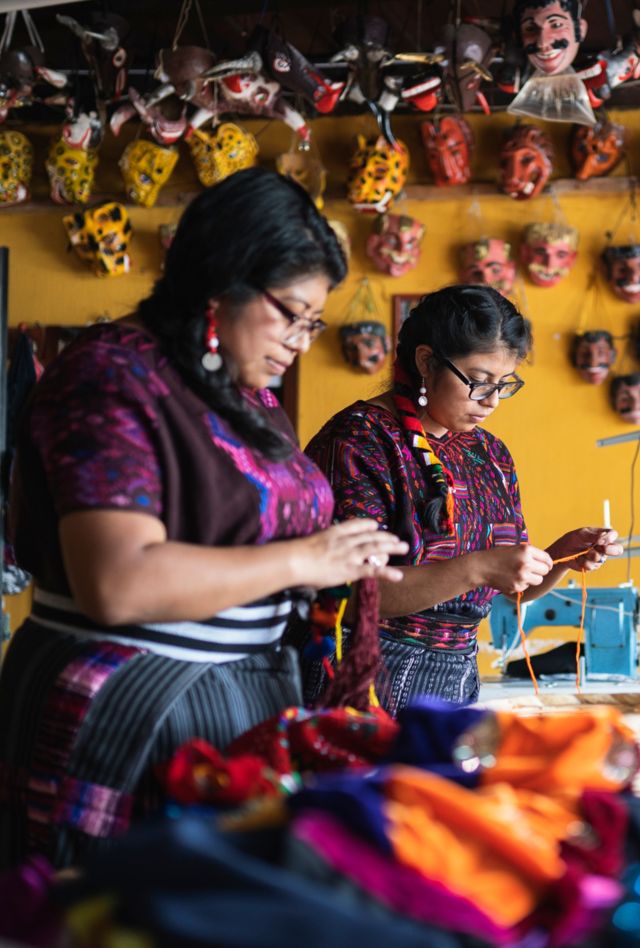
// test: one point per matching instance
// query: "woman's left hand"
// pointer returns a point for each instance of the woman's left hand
(599, 542)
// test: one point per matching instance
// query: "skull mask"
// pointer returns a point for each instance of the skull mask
(377, 174)
(100, 236)
(146, 167)
(625, 397)
(488, 262)
(525, 162)
(548, 252)
(622, 265)
(596, 151)
(593, 354)
(215, 156)
(448, 145)
(394, 245)
(16, 165)
(364, 345)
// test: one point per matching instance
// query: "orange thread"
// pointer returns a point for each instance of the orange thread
(523, 638)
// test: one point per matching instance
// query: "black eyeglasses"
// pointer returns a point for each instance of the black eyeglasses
(481, 390)
(298, 323)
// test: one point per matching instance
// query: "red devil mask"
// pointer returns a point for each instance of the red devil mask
(448, 146)
(364, 345)
(593, 354)
(597, 150)
(488, 261)
(525, 162)
(622, 265)
(394, 245)
(625, 397)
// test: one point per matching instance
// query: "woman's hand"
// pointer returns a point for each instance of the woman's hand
(346, 552)
(513, 569)
(598, 541)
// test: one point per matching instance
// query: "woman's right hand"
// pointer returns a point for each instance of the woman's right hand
(346, 552)
(512, 569)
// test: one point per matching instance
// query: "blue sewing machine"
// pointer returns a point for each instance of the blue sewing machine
(610, 625)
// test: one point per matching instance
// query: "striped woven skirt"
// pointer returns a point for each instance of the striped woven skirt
(84, 722)
(409, 671)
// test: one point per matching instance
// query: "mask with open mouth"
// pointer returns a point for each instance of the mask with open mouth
(394, 245)
(525, 162)
(377, 174)
(593, 354)
(622, 266)
(488, 262)
(625, 397)
(548, 252)
(365, 345)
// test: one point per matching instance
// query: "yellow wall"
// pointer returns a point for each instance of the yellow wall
(550, 427)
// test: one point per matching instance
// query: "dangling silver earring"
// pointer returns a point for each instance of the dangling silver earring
(423, 401)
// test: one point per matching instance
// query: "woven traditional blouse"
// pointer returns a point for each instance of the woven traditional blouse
(112, 425)
(364, 453)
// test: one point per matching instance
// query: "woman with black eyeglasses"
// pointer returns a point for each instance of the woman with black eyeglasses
(169, 519)
(418, 460)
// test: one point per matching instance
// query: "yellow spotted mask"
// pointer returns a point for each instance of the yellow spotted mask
(16, 166)
(217, 155)
(146, 167)
(377, 174)
(100, 236)
(71, 172)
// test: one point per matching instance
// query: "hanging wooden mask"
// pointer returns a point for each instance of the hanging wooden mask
(525, 162)
(597, 150)
(394, 244)
(550, 32)
(548, 253)
(100, 236)
(365, 345)
(448, 145)
(16, 166)
(488, 262)
(145, 168)
(622, 267)
(469, 53)
(593, 354)
(307, 170)
(377, 174)
(218, 154)
(625, 397)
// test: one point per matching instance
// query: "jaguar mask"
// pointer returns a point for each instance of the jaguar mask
(100, 236)
(377, 174)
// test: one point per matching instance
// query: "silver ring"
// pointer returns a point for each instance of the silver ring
(374, 560)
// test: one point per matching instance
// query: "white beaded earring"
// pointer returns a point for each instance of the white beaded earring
(422, 395)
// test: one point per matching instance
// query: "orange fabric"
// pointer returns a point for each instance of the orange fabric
(484, 845)
(562, 754)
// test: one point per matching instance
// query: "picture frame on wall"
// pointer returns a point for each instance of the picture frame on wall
(402, 306)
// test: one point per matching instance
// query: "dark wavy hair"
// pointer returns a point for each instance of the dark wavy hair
(455, 321)
(256, 229)
(459, 320)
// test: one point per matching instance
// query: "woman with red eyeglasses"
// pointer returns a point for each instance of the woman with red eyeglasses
(169, 519)
(417, 460)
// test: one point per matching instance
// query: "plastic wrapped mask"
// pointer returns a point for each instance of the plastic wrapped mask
(146, 167)
(488, 262)
(622, 265)
(71, 172)
(365, 345)
(550, 32)
(548, 252)
(448, 145)
(593, 354)
(308, 171)
(100, 236)
(16, 166)
(525, 162)
(377, 174)
(596, 151)
(394, 245)
(625, 397)
(217, 155)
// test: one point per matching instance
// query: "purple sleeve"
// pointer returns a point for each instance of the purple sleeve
(94, 427)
